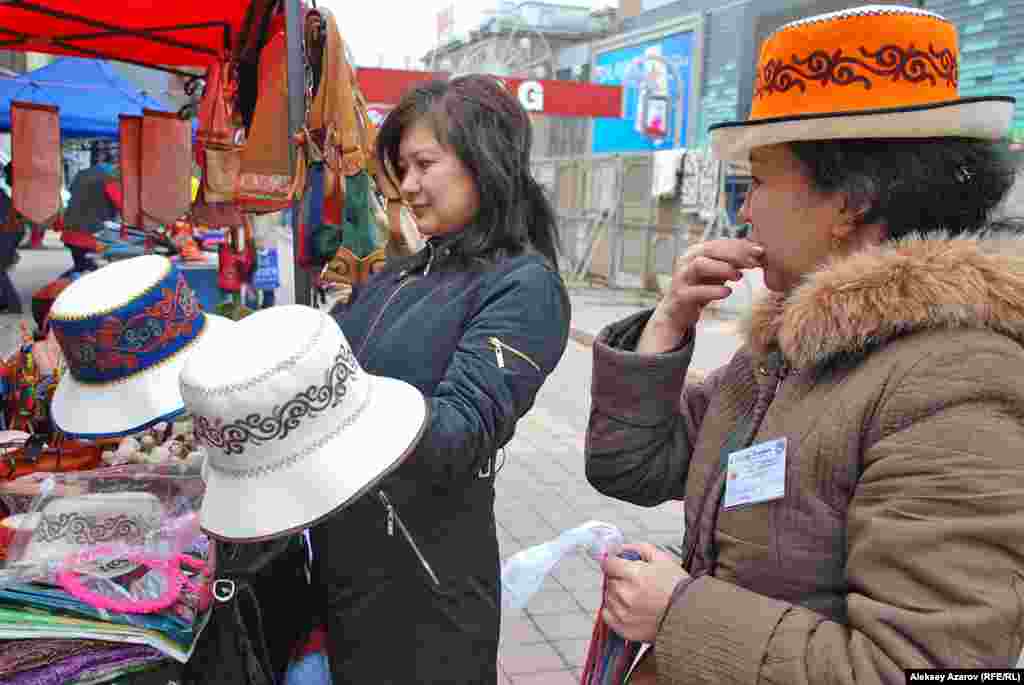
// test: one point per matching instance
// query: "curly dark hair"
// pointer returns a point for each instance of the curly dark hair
(915, 185)
(490, 133)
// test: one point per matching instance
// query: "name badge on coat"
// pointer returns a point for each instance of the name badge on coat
(756, 474)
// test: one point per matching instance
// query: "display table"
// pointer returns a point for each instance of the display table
(202, 278)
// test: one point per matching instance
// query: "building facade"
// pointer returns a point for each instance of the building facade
(729, 34)
(532, 40)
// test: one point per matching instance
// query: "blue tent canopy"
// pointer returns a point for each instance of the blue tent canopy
(89, 93)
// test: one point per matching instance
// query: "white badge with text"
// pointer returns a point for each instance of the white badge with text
(756, 474)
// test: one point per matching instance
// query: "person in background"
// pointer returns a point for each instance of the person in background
(476, 320)
(93, 196)
(852, 478)
(12, 232)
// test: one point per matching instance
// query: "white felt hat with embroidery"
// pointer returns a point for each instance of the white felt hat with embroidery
(292, 426)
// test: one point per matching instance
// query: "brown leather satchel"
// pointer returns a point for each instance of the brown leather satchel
(218, 152)
(36, 161)
(130, 133)
(166, 189)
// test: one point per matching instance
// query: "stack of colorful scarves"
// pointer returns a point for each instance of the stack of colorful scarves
(610, 656)
(56, 662)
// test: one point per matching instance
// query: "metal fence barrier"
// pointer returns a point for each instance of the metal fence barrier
(612, 229)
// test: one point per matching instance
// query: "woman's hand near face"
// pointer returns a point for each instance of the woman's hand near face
(698, 279)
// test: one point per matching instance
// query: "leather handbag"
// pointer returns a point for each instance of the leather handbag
(37, 162)
(220, 137)
(130, 134)
(262, 608)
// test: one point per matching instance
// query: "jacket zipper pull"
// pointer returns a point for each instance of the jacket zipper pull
(392, 518)
(781, 378)
(391, 512)
(498, 353)
(430, 260)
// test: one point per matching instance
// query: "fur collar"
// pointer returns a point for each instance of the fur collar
(856, 303)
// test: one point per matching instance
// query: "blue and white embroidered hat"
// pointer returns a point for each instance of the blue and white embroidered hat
(294, 429)
(126, 331)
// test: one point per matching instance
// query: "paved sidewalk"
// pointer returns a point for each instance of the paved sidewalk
(542, 490)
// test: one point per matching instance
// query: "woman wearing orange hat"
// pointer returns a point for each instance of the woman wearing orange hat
(853, 479)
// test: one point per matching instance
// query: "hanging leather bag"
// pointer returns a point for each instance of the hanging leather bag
(166, 189)
(37, 162)
(219, 138)
(267, 180)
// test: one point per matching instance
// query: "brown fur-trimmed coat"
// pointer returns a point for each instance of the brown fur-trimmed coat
(897, 377)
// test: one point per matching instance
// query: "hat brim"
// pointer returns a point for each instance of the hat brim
(107, 411)
(324, 482)
(987, 118)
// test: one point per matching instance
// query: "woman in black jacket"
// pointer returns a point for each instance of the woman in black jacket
(476, 321)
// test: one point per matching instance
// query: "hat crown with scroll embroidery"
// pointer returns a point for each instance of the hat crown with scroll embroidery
(867, 58)
(283, 384)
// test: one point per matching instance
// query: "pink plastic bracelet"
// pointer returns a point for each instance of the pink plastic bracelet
(70, 580)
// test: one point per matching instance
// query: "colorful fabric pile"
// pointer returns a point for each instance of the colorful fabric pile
(105, 577)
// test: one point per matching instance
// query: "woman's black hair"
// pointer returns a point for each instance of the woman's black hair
(490, 133)
(914, 185)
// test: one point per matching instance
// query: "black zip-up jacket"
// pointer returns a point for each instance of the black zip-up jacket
(478, 344)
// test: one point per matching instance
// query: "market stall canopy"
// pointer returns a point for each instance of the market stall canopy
(149, 32)
(88, 92)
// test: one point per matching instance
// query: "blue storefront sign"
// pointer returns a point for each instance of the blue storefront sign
(655, 78)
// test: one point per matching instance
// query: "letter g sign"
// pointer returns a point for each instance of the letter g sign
(531, 96)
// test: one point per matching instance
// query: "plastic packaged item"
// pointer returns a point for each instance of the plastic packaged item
(523, 573)
(122, 536)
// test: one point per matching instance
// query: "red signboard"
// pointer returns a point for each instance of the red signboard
(553, 98)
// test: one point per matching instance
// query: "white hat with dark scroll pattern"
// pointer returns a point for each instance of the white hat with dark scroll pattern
(293, 428)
